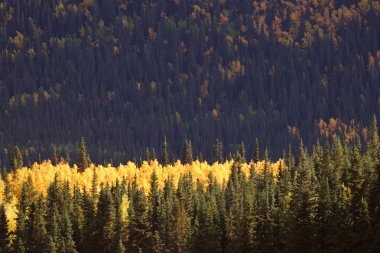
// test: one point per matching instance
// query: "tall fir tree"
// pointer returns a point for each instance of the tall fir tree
(4, 240)
(218, 151)
(187, 153)
(55, 160)
(16, 161)
(83, 157)
(165, 153)
(256, 154)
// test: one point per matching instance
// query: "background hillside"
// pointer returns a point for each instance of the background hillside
(126, 73)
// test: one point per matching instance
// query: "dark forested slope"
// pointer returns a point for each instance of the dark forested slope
(126, 73)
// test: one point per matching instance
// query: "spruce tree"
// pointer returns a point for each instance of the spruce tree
(105, 222)
(218, 151)
(256, 154)
(120, 247)
(16, 159)
(3, 230)
(147, 155)
(242, 153)
(83, 157)
(37, 233)
(165, 153)
(140, 237)
(55, 160)
(187, 154)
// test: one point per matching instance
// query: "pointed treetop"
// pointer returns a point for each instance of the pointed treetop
(165, 153)
(16, 159)
(256, 154)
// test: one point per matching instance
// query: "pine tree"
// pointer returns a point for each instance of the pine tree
(3, 230)
(154, 156)
(256, 154)
(89, 222)
(139, 226)
(19, 246)
(147, 155)
(154, 203)
(218, 151)
(303, 206)
(37, 233)
(105, 222)
(55, 156)
(16, 159)
(165, 153)
(77, 219)
(242, 153)
(187, 156)
(67, 244)
(120, 247)
(83, 157)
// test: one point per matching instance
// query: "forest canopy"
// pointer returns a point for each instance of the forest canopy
(124, 74)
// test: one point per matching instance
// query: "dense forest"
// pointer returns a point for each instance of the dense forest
(126, 73)
(326, 201)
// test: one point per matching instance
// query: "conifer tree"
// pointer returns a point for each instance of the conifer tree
(89, 222)
(165, 153)
(154, 155)
(242, 153)
(77, 218)
(187, 156)
(83, 157)
(139, 226)
(256, 154)
(303, 205)
(147, 155)
(37, 233)
(67, 244)
(218, 151)
(120, 247)
(3, 230)
(105, 222)
(16, 159)
(55, 156)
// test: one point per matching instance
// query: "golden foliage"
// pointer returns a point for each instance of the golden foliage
(42, 175)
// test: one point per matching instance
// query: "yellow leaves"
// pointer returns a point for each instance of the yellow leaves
(18, 40)
(42, 175)
(11, 213)
(2, 188)
(371, 61)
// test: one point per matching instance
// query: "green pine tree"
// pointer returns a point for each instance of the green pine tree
(3, 230)
(16, 159)
(256, 154)
(187, 154)
(165, 153)
(55, 160)
(83, 157)
(218, 151)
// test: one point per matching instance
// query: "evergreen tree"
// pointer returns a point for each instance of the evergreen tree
(55, 160)
(89, 223)
(120, 247)
(139, 227)
(3, 230)
(242, 153)
(105, 222)
(165, 153)
(83, 157)
(147, 155)
(37, 233)
(256, 154)
(187, 155)
(16, 159)
(303, 206)
(218, 151)
(67, 244)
